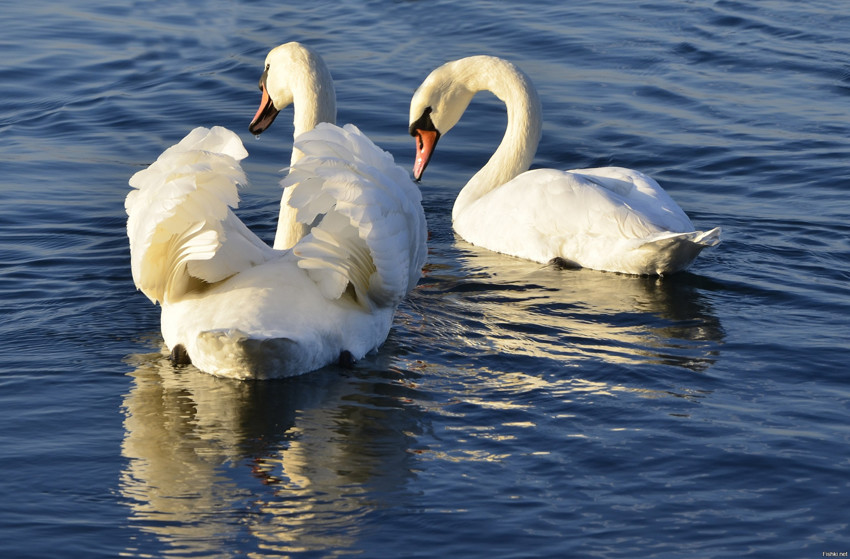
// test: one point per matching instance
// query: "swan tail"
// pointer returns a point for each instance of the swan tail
(675, 252)
(233, 353)
(367, 224)
(182, 230)
(707, 238)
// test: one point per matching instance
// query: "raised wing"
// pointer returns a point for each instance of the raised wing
(368, 232)
(182, 230)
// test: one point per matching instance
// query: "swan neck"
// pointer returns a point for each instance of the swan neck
(522, 134)
(289, 229)
(313, 102)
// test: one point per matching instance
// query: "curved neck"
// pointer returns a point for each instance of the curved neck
(313, 101)
(519, 144)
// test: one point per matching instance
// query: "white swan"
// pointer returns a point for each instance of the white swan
(239, 308)
(610, 218)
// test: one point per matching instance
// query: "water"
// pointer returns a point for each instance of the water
(516, 410)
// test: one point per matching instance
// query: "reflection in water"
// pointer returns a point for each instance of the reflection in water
(282, 466)
(510, 361)
(514, 307)
(522, 359)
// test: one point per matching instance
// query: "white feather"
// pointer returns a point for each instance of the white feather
(242, 309)
(610, 218)
(368, 210)
(180, 223)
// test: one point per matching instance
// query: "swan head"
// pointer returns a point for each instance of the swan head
(437, 106)
(294, 70)
(441, 100)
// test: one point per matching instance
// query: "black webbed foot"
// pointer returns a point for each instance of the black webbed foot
(346, 360)
(179, 355)
(563, 264)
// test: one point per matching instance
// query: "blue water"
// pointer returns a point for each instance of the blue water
(515, 410)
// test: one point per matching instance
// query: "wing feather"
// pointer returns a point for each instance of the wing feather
(368, 227)
(182, 229)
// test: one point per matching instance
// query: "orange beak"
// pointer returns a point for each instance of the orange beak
(426, 141)
(265, 114)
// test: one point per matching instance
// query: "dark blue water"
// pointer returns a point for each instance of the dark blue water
(516, 410)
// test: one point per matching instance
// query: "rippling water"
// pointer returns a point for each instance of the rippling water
(516, 410)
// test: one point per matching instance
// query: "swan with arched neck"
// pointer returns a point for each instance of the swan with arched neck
(609, 218)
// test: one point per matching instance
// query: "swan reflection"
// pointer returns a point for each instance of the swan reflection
(514, 349)
(283, 466)
(503, 346)
(508, 306)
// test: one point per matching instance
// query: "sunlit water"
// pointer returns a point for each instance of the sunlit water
(516, 410)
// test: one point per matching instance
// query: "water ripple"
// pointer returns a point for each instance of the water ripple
(514, 407)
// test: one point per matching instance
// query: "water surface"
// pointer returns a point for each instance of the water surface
(515, 410)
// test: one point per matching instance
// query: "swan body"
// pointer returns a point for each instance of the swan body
(242, 309)
(609, 218)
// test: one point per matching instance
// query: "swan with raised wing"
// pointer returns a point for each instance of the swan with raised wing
(236, 307)
(609, 218)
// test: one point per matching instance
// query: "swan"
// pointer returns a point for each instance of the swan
(234, 306)
(610, 218)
